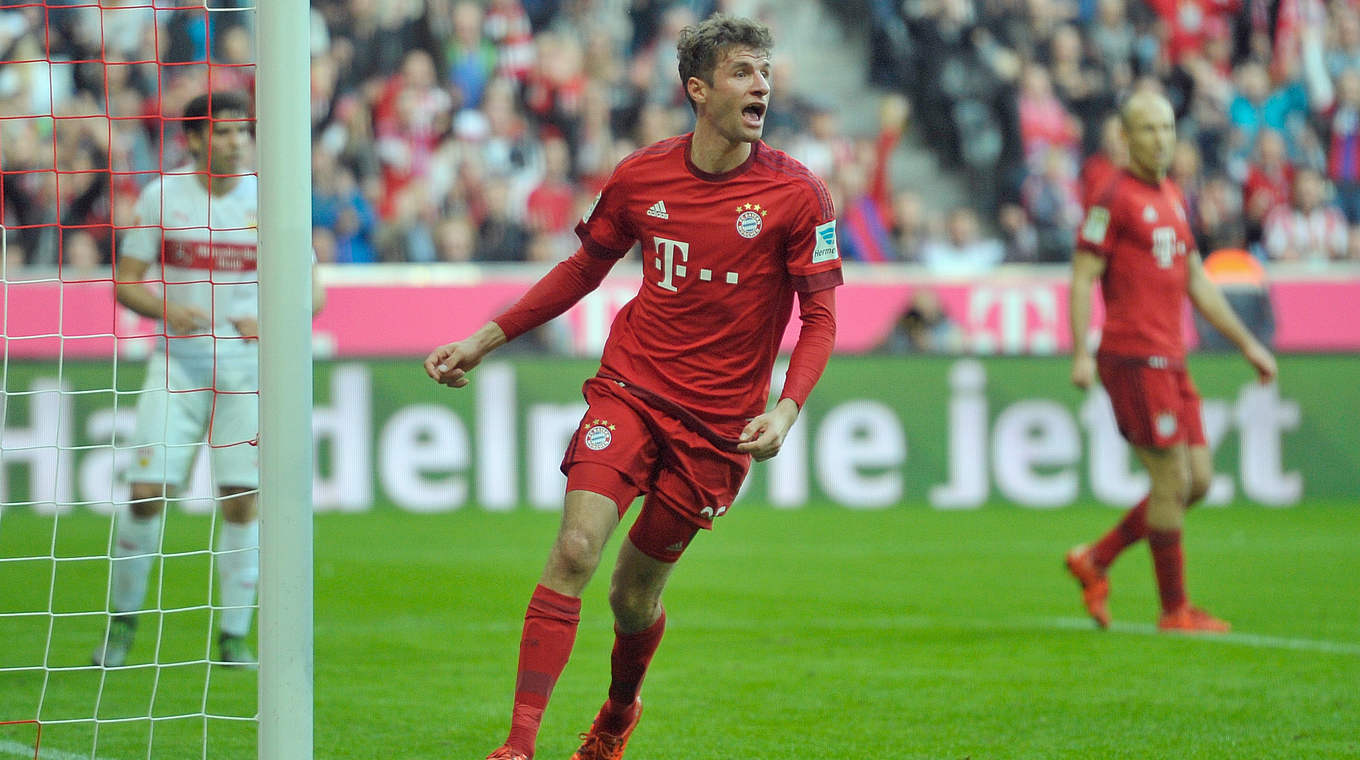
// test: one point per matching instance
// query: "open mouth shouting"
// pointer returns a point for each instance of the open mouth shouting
(753, 115)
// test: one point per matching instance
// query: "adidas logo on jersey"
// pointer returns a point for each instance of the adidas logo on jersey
(658, 210)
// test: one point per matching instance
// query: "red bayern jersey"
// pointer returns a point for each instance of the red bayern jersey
(722, 257)
(1140, 229)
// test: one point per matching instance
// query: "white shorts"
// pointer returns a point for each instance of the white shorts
(182, 403)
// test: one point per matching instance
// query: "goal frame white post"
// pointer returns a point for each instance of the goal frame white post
(283, 130)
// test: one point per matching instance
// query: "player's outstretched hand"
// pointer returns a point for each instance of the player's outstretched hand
(1083, 371)
(450, 363)
(764, 435)
(1263, 361)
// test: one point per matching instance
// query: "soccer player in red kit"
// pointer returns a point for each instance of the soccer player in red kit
(1137, 243)
(731, 230)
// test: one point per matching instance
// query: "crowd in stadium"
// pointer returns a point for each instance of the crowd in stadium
(462, 130)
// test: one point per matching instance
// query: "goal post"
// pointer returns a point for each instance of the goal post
(285, 272)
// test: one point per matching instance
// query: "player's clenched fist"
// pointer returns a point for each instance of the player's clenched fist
(450, 363)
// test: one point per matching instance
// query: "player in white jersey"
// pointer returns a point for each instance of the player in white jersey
(190, 262)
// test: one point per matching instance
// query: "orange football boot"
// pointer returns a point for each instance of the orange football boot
(1095, 587)
(1187, 619)
(506, 753)
(600, 745)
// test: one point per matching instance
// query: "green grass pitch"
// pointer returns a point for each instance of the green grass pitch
(814, 633)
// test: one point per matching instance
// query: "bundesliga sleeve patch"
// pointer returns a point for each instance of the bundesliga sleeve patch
(825, 248)
(1097, 222)
(586, 217)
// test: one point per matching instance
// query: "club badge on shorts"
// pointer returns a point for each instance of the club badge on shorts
(1166, 424)
(599, 434)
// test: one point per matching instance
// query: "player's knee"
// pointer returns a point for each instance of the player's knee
(146, 500)
(577, 553)
(238, 505)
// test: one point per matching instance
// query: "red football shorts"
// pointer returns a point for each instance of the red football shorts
(1155, 407)
(625, 447)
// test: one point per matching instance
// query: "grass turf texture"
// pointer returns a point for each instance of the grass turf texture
(907, 633)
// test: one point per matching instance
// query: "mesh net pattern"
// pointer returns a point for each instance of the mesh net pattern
(92, 99)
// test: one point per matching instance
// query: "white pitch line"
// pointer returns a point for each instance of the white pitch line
(19, 749)
(1241, 639)
(925, 622)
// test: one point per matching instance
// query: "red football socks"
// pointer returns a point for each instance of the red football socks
(1169, 563)
(1129, 531)
(632, 654)
(549, 632)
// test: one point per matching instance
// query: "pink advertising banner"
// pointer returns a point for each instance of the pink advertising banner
(384, 312)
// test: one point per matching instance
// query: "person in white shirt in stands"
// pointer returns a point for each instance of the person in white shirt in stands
(190, 263)
(1311, 228)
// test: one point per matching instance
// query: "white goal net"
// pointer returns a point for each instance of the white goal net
(92, 113)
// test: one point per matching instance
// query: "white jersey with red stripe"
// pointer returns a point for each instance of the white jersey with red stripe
(205, 249)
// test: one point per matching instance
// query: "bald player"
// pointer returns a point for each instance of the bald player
(1137, 243)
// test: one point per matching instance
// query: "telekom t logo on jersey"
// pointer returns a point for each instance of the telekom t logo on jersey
(672, 257)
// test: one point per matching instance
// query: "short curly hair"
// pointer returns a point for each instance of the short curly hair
(200, 112)
(700, 45)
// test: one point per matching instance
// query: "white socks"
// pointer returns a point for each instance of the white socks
(238, 570)
(137, 544)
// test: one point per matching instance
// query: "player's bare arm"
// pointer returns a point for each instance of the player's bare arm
(764, 435)
(1209, 300)
(1087, 268)
(131, 290)
(450, 363)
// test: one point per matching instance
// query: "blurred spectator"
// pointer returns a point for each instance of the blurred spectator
(1309, 228)
(865, 234)
(1045, 123)
(1186, 171)
(924, 327)
(1343, 154)
(1100, 167)
(469, 56)
(1268, 183)
(963, 250)
(1344, 53)
(911, 229)
(500, 237)
(340, 208)
(455, 240)
(1218, 221)
(550, 204)
(80, 257)
(1018, 235)
(1050, 197)
(1186, 23)
(865, 204)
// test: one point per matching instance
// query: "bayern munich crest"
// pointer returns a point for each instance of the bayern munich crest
(750, 219)
(1166, 424)
(599, 434)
